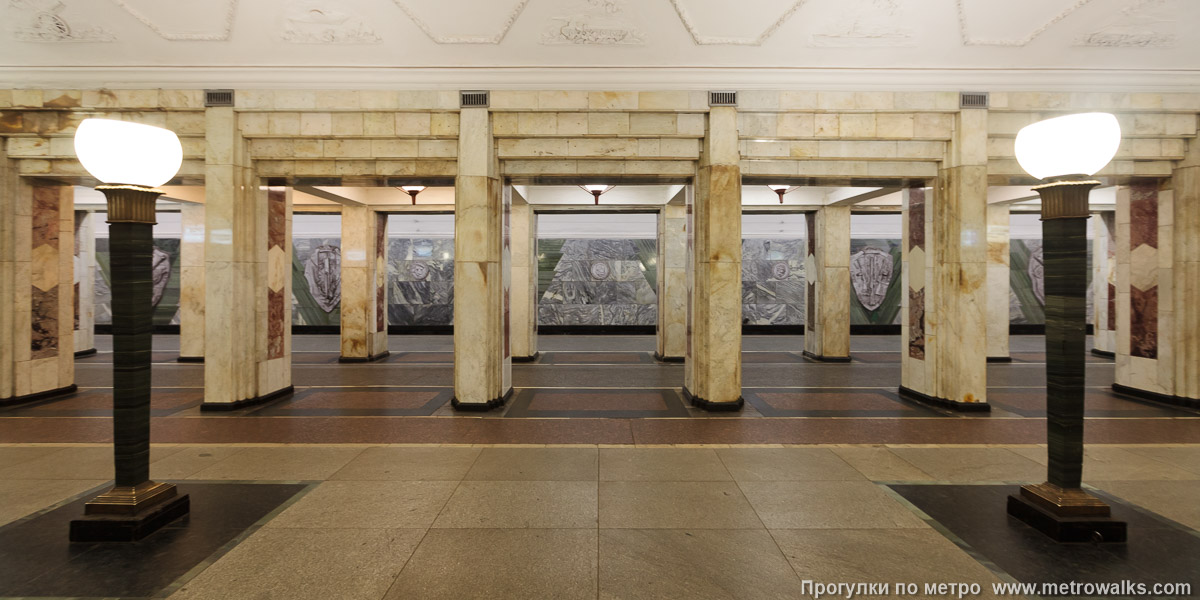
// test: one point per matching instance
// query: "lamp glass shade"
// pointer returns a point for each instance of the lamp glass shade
(122, 152)
(1079, 144)
(413, 188)
(596, 188)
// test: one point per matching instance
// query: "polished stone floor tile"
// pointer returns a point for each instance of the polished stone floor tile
(879, 464)
(21, 497)
(675, 505)
(661, 464)
(1175, 500)
(368, 505)
(190, 460)
(693, 565)
(460, 564)
(281, 463)
(410, 464)
(90, 462)
(827, 505)
(15, 455)
(973, 464)
(880, 556)
(786, 464)
(1184, 457)
(299, 564)
(521, 505)
(534, 464)
(1102, 463)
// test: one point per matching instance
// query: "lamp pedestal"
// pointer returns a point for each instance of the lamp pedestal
(135, 507)
(1060, 508)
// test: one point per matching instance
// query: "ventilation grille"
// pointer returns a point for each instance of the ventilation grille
(973, 100)
(218, 97)
(726, 98)
(473, 98)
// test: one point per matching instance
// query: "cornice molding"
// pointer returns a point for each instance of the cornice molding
(601, 78)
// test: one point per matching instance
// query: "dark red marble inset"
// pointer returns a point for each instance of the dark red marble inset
(45, 216)
(810, 223)
(916, 218)
(916, 324)
(1143, 322)
(1112, 308)
(810, 303)
(274, 324)
(44, 317)
(381, 282)
(276, 218)
(75, 308)
(1143, 215)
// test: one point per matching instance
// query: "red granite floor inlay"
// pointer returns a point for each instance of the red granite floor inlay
(362, 400)
(831, 401)
(771, 357)
(650, 401)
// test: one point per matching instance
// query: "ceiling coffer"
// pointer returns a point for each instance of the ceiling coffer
(722, 98)
(473, 98)
(218, 97)
(973, 100)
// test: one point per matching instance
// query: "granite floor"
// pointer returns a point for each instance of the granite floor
(353, 521)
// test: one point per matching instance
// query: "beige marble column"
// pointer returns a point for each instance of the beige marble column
(247, 268)
(364, 284)
(37, 291)
(1146, 330)
(1104, 284)
(191, 284)
(713, 370)
(944, 359)
(482, 251)
(827, 285)
(85, 281)
(998, 284)
(671, 328)
(523, 315)
(1185, 275)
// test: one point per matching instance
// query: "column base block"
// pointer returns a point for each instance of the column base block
(1103, 353)
(999, 359)
(228, 406)
(129, 528)
(82, 353)
(667, 359)
(364, 359)
(916, 396)
(526, 359)
(482, 406)
(823, 358)
(1066, 529)
(709, 405)
(190, 359)
(62, 391)
(1147, 395)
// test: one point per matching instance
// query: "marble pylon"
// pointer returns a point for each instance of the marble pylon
(1185, 275)
(944, 352)
(713, 365)
(37, 291)
(827, 287)
(364, 284)
(1104, 283)
(523, 315)
(998, 282)
(191, 283)
(248, 275)
(85, 281)
(671, 327)
(482, 269)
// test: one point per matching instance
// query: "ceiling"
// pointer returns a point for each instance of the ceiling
(592, 44)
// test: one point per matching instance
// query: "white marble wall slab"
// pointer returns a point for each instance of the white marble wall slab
(363, 264)
(827, 281)
(998, 280)
(85, 281)
(671, 339)
(1104, 281)
(523, 315)
(1185, 271)
(191, 281)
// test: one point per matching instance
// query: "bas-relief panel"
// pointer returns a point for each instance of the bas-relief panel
(164, 276)
(420, 281)
(773, 290)
(1027, 295)
(875, 281)
(316, 281)
(597, 282)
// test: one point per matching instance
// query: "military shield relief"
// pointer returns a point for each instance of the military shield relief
(871, 274)
(160, 274)
(1037, 272)
(324, 274)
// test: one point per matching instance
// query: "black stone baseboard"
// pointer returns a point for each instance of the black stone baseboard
(82, 353)
(999, 359)
(668, 359)
(1155, 396)
(110, 528)
(484, 406)
(526, 359)
(15, 400)
(711, 406)
(916, 396)
(1103, 353)
(106, 329)
(597, 330)
(823, 358)
(367, 359)
(190, 359)
(228, 406)
(1066, 529)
